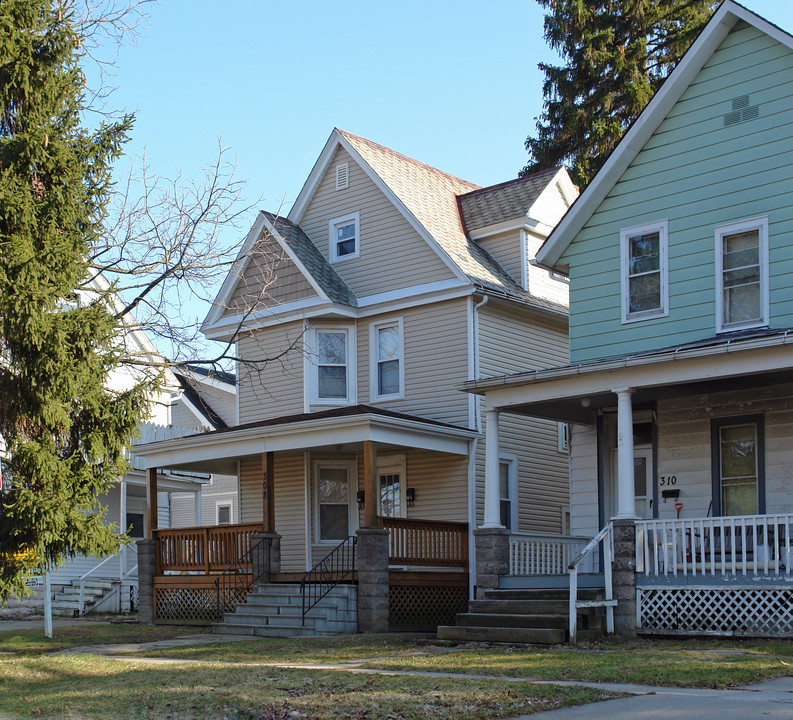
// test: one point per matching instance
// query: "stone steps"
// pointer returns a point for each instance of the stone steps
(276, 610)
(534, 616)
(66, 603)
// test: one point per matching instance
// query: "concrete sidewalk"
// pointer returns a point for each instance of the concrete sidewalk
(772, 699)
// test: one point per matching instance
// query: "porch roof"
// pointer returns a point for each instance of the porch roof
(573, 392)
(337, 429)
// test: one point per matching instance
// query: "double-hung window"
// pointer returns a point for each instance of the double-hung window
(506, 484)
(333, 371)
(387, 367)
(643, 260)
(742, 275)
(344, 237)
(738, 465)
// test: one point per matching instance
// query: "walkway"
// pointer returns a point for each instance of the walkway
(768, 700)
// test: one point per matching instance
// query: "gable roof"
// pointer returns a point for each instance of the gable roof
(713, 34)
(505, 201)
(427, 198)
(312, 260)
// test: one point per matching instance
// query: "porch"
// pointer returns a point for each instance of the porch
(201, 573)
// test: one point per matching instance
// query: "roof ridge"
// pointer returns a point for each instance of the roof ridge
(409, 159)
(522, 178)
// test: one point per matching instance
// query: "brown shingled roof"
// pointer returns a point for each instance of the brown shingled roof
(505, 201)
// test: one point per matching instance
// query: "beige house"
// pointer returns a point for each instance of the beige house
(357, 318)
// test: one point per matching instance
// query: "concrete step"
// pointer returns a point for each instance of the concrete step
(511, 620)
(533, 636)
(538, 593)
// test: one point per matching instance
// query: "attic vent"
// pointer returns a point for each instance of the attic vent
(741, 111)
(342, 176)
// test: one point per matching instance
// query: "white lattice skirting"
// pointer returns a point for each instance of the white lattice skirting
(716, 611)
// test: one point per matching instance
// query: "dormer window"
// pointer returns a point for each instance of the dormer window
(344, 237)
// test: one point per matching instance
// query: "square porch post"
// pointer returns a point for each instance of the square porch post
(372, 554)
(267, 563)
(147, 553)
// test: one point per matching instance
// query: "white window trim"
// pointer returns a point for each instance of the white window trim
(313, 384)
(333, 225)
(760, 224)
(662, 228)
(563, 438)
(392, 464)
(352, 491)
(230, 505)
(373, 360)
(512, 461)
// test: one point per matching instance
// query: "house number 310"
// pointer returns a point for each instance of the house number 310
(668, 480)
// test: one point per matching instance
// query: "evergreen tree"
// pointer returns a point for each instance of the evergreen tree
(617, 53)
(65, 432)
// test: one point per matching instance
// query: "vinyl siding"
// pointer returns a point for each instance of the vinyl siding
(583, 480)
(505, 248)
(221, 490)
(392, 254)
(269, 278)
(698, 175)
(540, 281)
(684, 445)
(290, 503)
(435, 357)
(275, 388)
(511, 340)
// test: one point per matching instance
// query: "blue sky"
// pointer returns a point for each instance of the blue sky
(453, 84)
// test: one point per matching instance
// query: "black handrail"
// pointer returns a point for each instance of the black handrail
(236, 581)
(328, 573)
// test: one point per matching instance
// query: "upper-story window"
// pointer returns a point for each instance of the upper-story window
(742, 275)
(387, 370)
(345, 237)
(643, 260)
(333, 375)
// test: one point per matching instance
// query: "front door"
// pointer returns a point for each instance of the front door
(643, 488)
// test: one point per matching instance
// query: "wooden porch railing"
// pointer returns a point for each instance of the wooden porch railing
(202, 549)
(427, 542)
(743, 545)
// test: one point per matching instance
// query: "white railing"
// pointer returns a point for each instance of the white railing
(606, 536)
(743, 545)
(81, 609)
(538, 554)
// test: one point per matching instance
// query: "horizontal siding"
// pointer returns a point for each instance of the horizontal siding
(290, 503)
(269, 278)
(540, 281)
(392, 254)
(435, 357)
(514, 339)
(583, 481)
(271, 378)
(698, 175)
(684, 444)
(542, 472)
(505, 248)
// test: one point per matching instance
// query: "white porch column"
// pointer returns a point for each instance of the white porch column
(492, 517)
(197, 508)
(122, 528)
(626, 502)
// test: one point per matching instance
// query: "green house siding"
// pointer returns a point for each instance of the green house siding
(696, 174)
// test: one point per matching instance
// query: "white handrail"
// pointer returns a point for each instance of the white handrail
(606, 535)
(81, 607)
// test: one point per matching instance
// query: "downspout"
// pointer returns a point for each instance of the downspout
(475, 420)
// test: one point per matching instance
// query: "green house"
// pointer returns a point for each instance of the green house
(679, 391)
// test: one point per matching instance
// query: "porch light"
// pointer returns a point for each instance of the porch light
(410, 496)
(361, 497)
